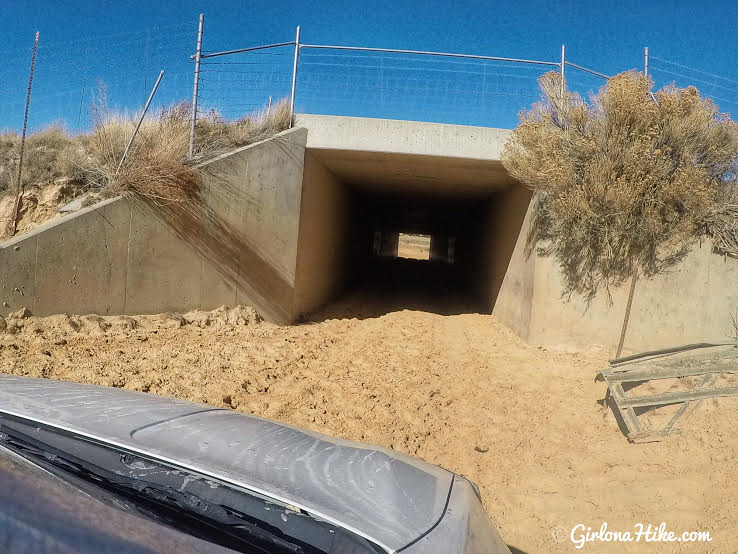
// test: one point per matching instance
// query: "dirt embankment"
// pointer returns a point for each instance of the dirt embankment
(459, 391)
(40, 204)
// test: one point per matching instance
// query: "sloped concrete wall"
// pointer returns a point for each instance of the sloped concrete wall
(511, 273)
(80, 263)
(690, 303)
(257, 190)
(116, 257)
(250, 232)
(126, 256)
(325, 237)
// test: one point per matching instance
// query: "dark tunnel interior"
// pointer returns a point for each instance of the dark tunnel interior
(472, 232)
(446, 283)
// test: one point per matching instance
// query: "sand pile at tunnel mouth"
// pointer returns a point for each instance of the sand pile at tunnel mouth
(460, 391)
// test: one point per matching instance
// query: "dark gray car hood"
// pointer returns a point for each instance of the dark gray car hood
(384, 496)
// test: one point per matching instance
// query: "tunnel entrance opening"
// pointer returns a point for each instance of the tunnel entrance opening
(352, 261)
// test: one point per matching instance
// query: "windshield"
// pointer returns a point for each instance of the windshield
(180, 500)
(41, 513)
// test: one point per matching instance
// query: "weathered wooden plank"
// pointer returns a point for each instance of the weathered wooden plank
(627, 414)
(665, 373)
(668, 351)
(674, 397)
(709, 367)
(679, 413)
(709, 383)
(723, 354)
(652, 436)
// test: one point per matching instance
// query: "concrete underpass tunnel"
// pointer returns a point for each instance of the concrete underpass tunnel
(467, 214)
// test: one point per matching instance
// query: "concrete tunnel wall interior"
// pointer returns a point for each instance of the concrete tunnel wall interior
(350, 197)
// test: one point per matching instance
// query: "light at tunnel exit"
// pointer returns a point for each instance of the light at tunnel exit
(414, 247)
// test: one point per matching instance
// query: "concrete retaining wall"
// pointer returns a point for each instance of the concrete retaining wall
(250, 231)
(690, 303)
(124, 256)
(90, 262)
(325, 238)
(511, 273)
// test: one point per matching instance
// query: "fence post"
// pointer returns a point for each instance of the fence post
(140, 121)
(195, 86)
(82, 94)
(645, 61)
(563, 64)
(19, 185)
(294, 76)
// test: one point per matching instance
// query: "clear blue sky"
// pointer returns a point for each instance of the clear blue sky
(125, 43)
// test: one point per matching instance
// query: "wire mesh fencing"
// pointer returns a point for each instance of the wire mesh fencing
(414, 87)
(70, 75)
(238, 84)
(373, 82)
(332, 80)
(722, 90)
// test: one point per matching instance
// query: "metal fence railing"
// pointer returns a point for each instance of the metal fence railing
(443, 87)
(392, 83)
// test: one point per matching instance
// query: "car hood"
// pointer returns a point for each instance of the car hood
(384, 496)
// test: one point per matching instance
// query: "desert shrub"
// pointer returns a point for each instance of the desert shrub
(8, 160)
(213, 134)
(261, 125)
(626, 182)
(73, 161)
(41, 153)
(157, 166)
(39, 159)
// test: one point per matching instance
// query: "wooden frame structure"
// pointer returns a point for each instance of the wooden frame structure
(708, 360)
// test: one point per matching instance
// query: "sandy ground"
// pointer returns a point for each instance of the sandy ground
(40, 204)
(460, 391)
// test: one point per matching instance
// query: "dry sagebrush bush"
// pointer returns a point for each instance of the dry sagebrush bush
(8, 160)
(623, 183)
(213, 134)
(42, 150)
(157, 166)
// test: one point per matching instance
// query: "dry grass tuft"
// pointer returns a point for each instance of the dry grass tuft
(625, 182)
(157, 167)
(41, 153)
(214, 134)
